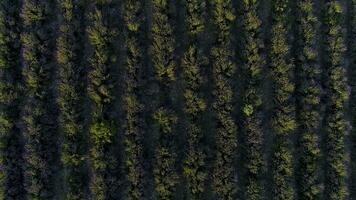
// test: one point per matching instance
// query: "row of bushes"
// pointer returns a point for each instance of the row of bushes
(308, 94)
(103, 33)
(11, 88)
(134, 128)
(162, 52)
(223, 69)
(283, 122)
(352, 83)
(336, 97)
(72, 98)
(252, 68)
(194, 166)
(40, 124)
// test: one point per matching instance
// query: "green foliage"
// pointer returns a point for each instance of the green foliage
(252, 64)
(165, 174)
(133, 99)
(224, 176)
(39, 111)
(11, 161)
(102, 132)
(164, 117)
(71, 98)
(337, 95)
(165, 120)
(282, 122)
(194, 166)
(352, 83)
(133, 106)
(166, 177)
(308, 100)
(162, 48)
(195, 23)
(103, 35)
(248, 110)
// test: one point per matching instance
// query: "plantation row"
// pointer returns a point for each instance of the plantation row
(189, 99)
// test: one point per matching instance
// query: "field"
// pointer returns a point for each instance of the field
(178, 99)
